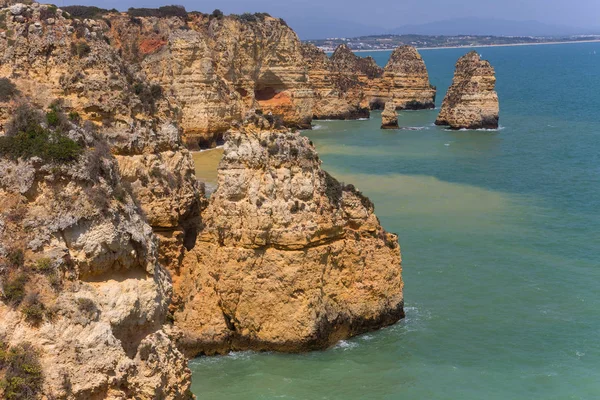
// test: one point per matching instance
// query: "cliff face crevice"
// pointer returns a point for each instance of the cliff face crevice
(471, 101)
(288, 259)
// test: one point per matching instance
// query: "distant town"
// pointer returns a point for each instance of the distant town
(389, 42)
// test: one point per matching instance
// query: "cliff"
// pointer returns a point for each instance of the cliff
(405, 82)
(106, 238)
(288, 259)
(216, 68)
(82, 292)
(471, 101)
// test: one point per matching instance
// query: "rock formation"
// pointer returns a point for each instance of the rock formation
(217, 68)
(339, 83)
(389, 117)
(347, 86)
(79, 276)
(471, 102)
(405, 81)
(119, 240)
(288, 259)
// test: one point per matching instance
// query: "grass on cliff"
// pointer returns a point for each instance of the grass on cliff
(88, 12)
(27, 138)
(164, 11)
(20, 372)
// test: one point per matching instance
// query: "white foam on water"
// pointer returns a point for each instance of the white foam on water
(317, 127)
(500, 128)
(446, 144)
(345, 345)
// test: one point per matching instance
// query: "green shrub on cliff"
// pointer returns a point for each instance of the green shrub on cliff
(21, 372)
(218, 14)
(165, 11)
(27, 138)
(33, 309)
(13, 288)
(88, 12)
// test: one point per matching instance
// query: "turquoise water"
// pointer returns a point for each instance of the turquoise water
(500, 237)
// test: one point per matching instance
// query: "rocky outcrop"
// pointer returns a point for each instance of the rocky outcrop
(389, 117)
(405, 82)
(339, 83)
(347, 86)
(218, 68)
(288, 259)
(80, 279)
(471, 101)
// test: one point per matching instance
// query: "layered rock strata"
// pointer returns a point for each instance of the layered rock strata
(288, 259)
(80, 280)
(471, 101)
(405, 82)
(217, 69)
(389, 117)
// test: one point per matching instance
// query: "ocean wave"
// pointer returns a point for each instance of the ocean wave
(413, 128)
(317, 127)
(500, 128)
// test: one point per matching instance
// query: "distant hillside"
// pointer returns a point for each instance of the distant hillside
(388, 42)
(489, 26)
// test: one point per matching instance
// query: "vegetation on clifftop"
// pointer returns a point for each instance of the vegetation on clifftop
(26, 137)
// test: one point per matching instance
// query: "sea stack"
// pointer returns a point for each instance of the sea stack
(405, 81)
(289, 259)
(471, 101)
(389, 117)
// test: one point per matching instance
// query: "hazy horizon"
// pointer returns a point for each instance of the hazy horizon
(312, 19)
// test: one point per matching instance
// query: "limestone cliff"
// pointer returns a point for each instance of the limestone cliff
(79, 276)
(217, 68)
(471, 101)
(53, 58)
(405, 82)
(389, 117)
(288, 258)
(283, 258)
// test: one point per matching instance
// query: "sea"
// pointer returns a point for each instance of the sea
(500, 238)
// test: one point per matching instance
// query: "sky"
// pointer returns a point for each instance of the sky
(349, 15)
